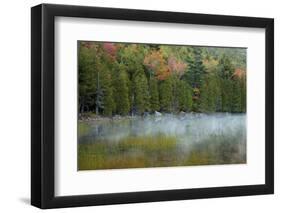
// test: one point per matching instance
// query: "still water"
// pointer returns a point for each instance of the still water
(164, 140)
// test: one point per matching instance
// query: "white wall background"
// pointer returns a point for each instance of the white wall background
(15, 105)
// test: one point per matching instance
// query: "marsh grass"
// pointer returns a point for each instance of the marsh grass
(132, 152)
(83, 128)
(217, 150)
(158, 151)
(170, 141)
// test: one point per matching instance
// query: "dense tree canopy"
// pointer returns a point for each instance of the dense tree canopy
(126, 79)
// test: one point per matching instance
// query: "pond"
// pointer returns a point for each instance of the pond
(186, 139)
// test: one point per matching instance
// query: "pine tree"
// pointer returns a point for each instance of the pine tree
(88, 66)
(225, 72)
(107, 87)
(196, 71)
(226, 94)
(204, 97)
(154, 95)
(225, 68)
(166, 95)
(135, 78)
(122, 91)
(184, 95)
(188, 97)
(236, 96)
(176, 91)
(195, 76)
(141, 101)
(209, 96)
(98, 94)
(132, 56)
(243, 94)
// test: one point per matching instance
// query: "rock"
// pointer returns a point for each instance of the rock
(158, 113)
(117, 117)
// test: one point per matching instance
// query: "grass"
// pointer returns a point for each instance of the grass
(217, 149)
(149, 143)
(159, 151)
(83, 129)
(132, 152)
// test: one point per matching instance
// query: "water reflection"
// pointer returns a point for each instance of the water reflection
(188, 128)
(185, 139)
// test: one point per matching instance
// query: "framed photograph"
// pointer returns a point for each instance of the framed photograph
(139, 106)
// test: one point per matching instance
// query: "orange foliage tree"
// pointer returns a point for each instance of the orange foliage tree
(157, 65)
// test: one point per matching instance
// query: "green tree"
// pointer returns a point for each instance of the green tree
(184, 94)
(166, 95)
(226, 95)
(88, 65)
(107, 88)
(141, 101)
(132, 56)
(154, 95)
(243, 94)
(136, 78)
(225, 72)
(225, 68)
(236, 105)
(122, 91)
(210, 94)
(196, 72)
(98, 94)
(195, 76)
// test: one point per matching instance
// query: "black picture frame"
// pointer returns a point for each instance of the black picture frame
(43, 102)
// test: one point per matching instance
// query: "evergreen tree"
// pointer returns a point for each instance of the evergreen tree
(123, 78)
(107, 88)
(154, 95)
(225, 72)
(243, 94)
(209, 96)
(132, 56)
(88, 65)
(166, 95)
(196, 71)
(226, 95)
(98, 94)
(184, 94)
(195, 76)
(176, 91)
(141, 94)
(122, 91)
(225, 68)
(236, 96)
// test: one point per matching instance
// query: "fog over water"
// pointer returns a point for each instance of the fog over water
(188, 128)
(193, 138)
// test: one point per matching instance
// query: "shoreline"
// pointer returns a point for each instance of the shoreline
(92, 117)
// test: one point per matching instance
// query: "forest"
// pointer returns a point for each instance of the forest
(154, 105)
(137, 79)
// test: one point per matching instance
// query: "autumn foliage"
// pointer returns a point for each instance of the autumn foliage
(239, 73)
(123, 78)
(110, 49)
(157, 65)
(176, 66)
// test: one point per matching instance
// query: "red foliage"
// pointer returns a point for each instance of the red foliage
(177, 67)
(87, 44)
(110, 49)
(239, 73)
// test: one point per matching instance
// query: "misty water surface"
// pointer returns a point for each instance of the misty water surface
(201, 139)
